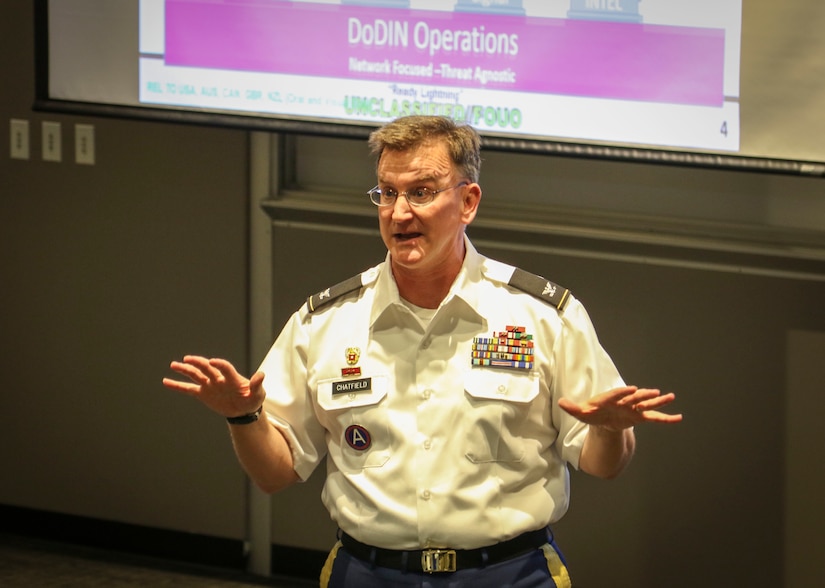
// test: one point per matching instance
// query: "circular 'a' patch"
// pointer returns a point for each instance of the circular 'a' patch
(358, 437)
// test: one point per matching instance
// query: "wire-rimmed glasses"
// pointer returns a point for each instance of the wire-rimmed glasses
(417, 197)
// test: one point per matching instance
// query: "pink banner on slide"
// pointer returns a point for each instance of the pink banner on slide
(656, 63)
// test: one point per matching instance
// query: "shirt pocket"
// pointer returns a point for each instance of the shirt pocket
(356, 418)
(499, 406)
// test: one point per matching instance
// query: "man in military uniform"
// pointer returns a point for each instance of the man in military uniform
(448, 392)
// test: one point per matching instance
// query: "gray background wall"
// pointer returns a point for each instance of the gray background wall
(112, 270)
(108, 273)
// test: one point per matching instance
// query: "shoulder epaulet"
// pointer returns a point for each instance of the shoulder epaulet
(324, 297)
(540, 288)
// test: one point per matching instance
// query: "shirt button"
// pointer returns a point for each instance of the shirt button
(426, 495)
(427, 393)
(428, 444)
(502, 389)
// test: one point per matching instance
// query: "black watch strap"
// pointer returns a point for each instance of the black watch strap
(245, 419)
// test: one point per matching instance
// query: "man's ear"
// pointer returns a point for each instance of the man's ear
(472, 198)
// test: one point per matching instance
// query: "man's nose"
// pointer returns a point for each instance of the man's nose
(401, 207)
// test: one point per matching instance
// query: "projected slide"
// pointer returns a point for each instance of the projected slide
(650, 73)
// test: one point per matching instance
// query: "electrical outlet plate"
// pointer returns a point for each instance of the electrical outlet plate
(19, 139)
(84, 144)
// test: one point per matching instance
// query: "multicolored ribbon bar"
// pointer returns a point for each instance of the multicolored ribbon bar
(512, 348)
(508, 363)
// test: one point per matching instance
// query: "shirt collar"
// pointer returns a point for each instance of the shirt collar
(463, 291)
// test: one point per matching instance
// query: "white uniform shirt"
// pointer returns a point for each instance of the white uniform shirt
(424, 449)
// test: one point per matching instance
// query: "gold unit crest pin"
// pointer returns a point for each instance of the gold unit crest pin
(353, 355)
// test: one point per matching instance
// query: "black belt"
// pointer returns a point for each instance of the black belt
(445, 560)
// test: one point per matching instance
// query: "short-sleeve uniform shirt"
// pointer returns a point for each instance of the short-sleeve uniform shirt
(426, 443)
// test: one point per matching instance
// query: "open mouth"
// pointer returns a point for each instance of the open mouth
(406, 236)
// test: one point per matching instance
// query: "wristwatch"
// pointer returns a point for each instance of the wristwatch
(245, 419)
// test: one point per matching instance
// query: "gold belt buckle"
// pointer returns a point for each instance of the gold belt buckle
(438, 560)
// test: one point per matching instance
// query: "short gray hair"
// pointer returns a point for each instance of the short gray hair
(462, 140)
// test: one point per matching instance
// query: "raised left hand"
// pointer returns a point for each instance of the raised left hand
(622, 408)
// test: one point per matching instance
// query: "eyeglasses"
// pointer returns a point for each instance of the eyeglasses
(417, 197)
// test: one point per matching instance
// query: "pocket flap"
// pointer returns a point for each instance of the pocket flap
(500, 384)
(340, 394)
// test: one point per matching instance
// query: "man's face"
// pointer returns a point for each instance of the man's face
(431, 237)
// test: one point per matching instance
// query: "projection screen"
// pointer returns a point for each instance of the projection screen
(712, 83)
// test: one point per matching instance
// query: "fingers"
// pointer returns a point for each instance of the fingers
(619, 395)
(653, 399)
(622, 407)
(202, 372)
(183, 387)
(256, 381)
(659, 401)
(189, 369)
(654, 416)
(224, 368)
(204, 366)
(637, 395)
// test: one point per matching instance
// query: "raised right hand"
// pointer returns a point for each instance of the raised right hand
(217, 384)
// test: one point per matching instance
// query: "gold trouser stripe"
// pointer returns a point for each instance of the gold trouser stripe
(558, 571)
(326, 572)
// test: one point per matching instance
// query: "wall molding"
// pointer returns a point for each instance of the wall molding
(713, 246)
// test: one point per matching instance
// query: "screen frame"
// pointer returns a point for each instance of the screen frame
(246, 122)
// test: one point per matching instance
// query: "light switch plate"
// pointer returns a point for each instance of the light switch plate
(84, 144)
(19, 139)
(52, 141)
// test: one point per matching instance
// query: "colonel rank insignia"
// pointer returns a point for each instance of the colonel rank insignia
(512, 348)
